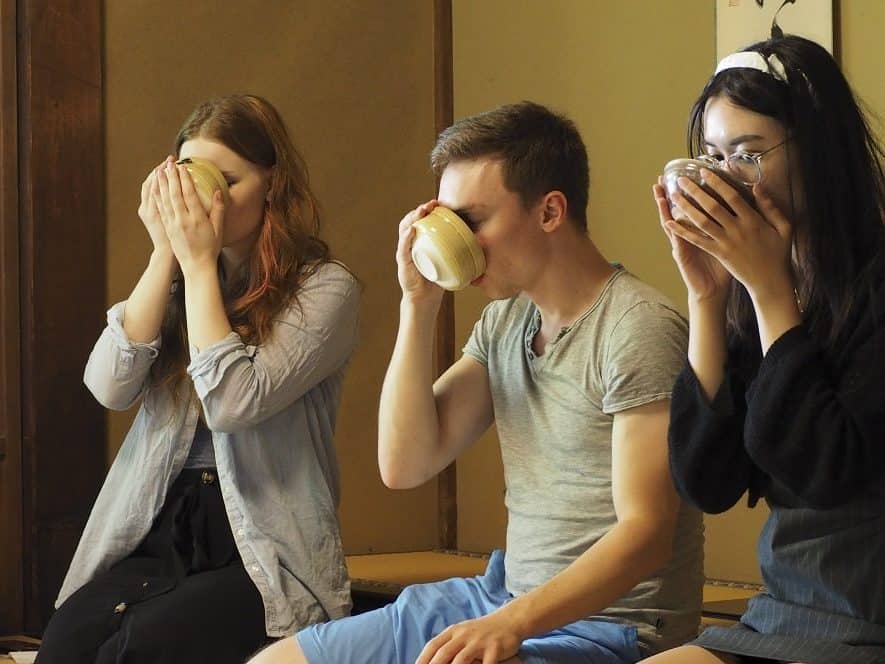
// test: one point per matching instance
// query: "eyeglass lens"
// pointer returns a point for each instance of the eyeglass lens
(743, 166)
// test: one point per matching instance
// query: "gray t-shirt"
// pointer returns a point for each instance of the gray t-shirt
(554, 416)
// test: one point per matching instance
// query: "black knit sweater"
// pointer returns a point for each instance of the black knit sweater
(809, 418)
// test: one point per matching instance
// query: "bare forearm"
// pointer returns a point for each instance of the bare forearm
(707, 349)
(146, 305)
(626, 555)
(776, 313)
(408, 426)
(207, 321)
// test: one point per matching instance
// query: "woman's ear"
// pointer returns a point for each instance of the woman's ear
(554, 208)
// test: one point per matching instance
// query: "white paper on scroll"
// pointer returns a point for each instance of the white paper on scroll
(742, 22)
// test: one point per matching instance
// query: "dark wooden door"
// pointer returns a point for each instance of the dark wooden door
(53, 286)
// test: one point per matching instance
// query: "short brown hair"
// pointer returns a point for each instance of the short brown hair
(540, 151)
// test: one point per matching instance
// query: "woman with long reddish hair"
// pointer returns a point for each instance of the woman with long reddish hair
(216, 526)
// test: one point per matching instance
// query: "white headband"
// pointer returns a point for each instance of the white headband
(753, 60)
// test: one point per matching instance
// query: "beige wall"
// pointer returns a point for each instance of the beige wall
(354, 82)
(627, 75)
(862, 50)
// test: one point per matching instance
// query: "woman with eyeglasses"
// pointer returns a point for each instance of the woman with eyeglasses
(782, 397)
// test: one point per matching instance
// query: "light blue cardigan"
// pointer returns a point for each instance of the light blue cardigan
(271, 410)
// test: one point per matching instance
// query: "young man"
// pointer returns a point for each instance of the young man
(573, 362)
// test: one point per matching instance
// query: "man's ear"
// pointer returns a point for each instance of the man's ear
(554, 208)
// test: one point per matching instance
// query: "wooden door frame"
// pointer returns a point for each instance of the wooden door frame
(443, 111)
(11, 578)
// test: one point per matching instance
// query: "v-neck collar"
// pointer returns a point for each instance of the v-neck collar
(534, 324)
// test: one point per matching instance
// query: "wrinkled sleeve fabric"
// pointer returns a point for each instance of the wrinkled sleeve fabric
(240, 386)
(817, 425)
(643, 355)
(710, 467)
(477, 345)
(117, 372)
(810, 420)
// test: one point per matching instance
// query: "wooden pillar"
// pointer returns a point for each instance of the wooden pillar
(11, 603)
(443, 108)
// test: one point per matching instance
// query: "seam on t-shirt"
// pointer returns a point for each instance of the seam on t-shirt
(637, 401)
(633, 306)
(469, 351)
(608, 341)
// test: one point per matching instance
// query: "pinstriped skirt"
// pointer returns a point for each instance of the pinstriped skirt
(792, 646)
(824, 572)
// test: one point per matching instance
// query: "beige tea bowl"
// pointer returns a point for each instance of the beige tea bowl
(445, 250)
(207, 178)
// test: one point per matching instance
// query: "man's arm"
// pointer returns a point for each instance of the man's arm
(640, 543)
(422, 425)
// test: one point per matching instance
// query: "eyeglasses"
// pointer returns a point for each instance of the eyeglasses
(746, 166)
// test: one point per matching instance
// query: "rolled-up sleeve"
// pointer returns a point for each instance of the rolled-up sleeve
(815, 424)
(117, 370)
(708, 462)
(240, 386)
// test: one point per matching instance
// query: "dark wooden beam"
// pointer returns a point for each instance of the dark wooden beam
(443, 107)
(11, 589)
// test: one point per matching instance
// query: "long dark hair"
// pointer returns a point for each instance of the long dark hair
(288, 248)
(840, 171)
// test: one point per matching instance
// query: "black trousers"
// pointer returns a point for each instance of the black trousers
(182, 596)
